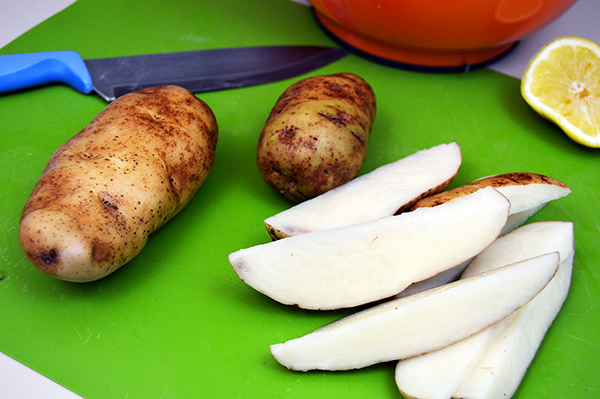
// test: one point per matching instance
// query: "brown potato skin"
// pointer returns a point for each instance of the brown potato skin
(101, 195)
(445, 197)
(428, 194)
(316, 136)
(518, 178)
(501, 180)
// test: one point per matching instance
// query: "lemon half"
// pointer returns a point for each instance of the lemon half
(562, 83)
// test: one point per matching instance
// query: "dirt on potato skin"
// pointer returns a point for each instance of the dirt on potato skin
(316, 136)
(102, 193)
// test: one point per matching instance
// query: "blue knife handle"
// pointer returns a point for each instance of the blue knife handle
(21, 71)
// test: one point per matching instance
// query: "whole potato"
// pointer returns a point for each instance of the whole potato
(316, 136)
(134, 167)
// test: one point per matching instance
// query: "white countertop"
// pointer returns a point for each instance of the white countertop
(17, 17)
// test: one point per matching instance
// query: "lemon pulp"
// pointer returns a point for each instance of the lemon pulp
(562, 82)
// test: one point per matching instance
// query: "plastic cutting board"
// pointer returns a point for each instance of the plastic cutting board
(176, 322)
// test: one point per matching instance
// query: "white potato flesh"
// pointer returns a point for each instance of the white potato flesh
(511, 225)
(525, 242)
(501, 371)
(358, 264)
(528, 196)
(527, 193)
(443, 371)
(445, 277)
(420, 323)
(437, 374)
(379, 193)
(518, 219)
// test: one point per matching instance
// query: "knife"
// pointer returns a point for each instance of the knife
(198, 71)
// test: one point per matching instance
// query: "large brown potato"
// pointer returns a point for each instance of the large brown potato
(133, 168)
(316, 136)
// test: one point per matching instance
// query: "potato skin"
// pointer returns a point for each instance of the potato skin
(516, 179)
(316, 136)
(445, 197)
(501, 180)
(102, 193)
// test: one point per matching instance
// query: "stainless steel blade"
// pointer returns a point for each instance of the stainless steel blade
(207, 70)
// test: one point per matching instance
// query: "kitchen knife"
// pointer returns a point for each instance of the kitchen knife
(198, 71)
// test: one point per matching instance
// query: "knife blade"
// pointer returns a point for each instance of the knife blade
(198, 70)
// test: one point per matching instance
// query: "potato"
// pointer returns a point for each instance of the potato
(102, 193)
(316, 136)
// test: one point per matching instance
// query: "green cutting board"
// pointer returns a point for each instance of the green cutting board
(176, 322)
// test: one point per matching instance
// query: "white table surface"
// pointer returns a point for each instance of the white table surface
(18, 381)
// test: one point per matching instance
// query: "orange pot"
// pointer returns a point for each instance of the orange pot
(435, 34)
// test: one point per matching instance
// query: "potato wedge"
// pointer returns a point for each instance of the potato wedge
(438, 375)
(527, 193)
(421, 323)
(369, 261)
(385, 191)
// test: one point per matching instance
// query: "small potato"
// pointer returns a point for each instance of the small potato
(316, 136)
(133, 168)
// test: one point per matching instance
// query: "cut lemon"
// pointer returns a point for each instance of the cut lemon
(562, 83)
